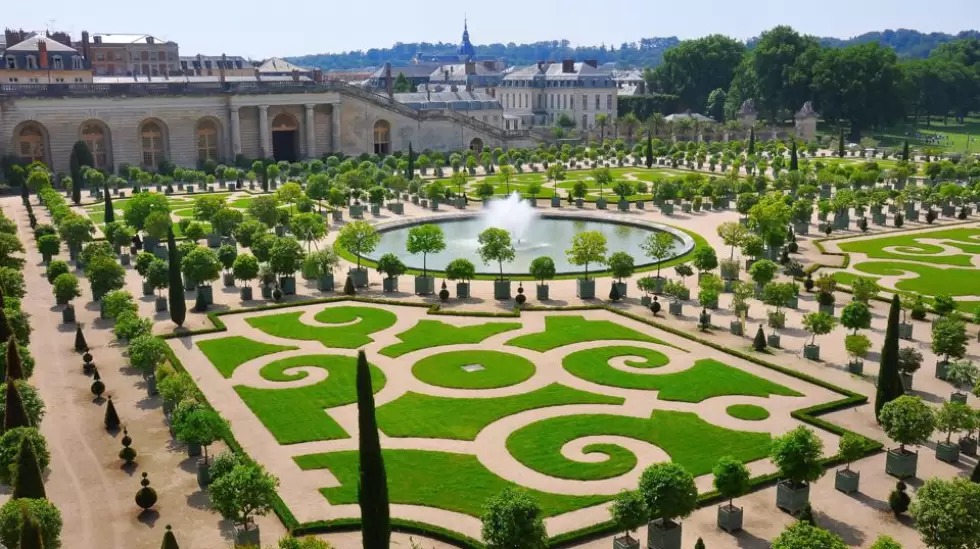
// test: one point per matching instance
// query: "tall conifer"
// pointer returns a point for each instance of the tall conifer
(373, 488)
(889, 381)
(28, 482)
(178, 308)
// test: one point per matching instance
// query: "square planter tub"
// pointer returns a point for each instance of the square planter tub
(501, 289)
(730, 518)
(792, 499)
(585, 288)
(901, 464)
(847, 481)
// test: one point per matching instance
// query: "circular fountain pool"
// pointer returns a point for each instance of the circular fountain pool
(545, 235)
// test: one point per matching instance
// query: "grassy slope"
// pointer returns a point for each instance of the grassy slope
(229, 353)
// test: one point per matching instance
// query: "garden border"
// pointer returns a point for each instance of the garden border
(809, 416)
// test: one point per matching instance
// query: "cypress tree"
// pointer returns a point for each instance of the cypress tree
(794, 162)
(25, 196)
(110, 212)
(15, 415)
(178, 309)
(905, 151)
(759, 343)
(28, 482)
(80, 344)
(15, 366)
(751, 141)
(169, 540)
(840, 144)
(372, 494)
(30, 533)
(80, 157)
(111, 418)
(889, 382)
(5, 330)
(410, 171)
(649, 158)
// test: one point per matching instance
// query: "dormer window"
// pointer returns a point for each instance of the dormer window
(31, 62)
(56, 63)
(11, 62)
(77, 62)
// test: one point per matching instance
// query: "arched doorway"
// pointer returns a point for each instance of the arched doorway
(382, 138)
(207, 140)
(476, 145)
(31, 143)
(285, 138)
(96, 136)
(153, 144)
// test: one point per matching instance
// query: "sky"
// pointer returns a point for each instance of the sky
(259, 29)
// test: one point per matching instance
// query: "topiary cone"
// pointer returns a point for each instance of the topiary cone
(27, 479)
(759, 343)
(30, 533)
(15, 367)
(169, 540)
(5, 331)
(146, 497)
(111, 417)
(15, 414)
(349, 286)
(699, 544)
(80, 344)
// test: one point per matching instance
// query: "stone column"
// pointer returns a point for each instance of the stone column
(335, 146)
(265, 137)
(310, 131)
(236, 132)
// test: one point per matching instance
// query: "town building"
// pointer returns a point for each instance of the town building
(537, 95)
(42, 59)
(129, 54)
(629, 82)
(478, 105)
(210, 65)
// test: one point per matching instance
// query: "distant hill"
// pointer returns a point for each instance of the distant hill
(647, 52)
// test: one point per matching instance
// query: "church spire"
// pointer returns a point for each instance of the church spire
(466, 49)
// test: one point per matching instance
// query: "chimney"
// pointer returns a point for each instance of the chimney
(389, 84)
(318, 76)
(85, 46)
(42, 54)
(97, 39)
(568, 66)
(258, 75)
(221, 68)
(594, 63)
(149, 40)
(469, 84)
(540, 65)
(295, 75)
(428, 94)
(470, 67)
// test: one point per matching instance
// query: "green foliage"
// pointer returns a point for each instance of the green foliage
(31, 400)
(891, 362)
(495, 245)
(245, 491)
(41, 511)
(629, 511)
(907, 420)
(286, 256)
(138, 208)
(587, 247)
(10, 444)
(55, 269)
(621, 264)
(460, 269)
(117, 302)
(147, 352)
(129, 325)
(201, 265)
(26, 473)
(227, 255)
(947, 513)
(425, 239)
(802, 535)
(245, 268)
(359, 238)
(731, 478)
(512, 519)
(668, 491)
(391, 266)
(857, 345)
(105, 275)
(763, 271)
(818, 324)
(949, 337)
(797, 455)
(65, 288)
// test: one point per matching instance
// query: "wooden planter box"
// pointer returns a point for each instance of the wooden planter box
(389, 284)
(901, 465)
(856, 367)
(905, 331)
(906, 381)
(501, 289)
(827, 309)
(661, 536)
(600, 204)
(624, 542)
(397, 208)
(729, 518)
(621, 288)
(325, 283)
(968, 446)
(555, 202)
(68, 314)
(160, 304)
(735, 327)
(675, 308)
(941, 367)
(948, 452)
(425, 285)
(847, 481)
(245, 293)
(247, 538)
(811, 352)
(337, 215)
(623, 206)
(542, 291)
(359, 276)
(463, 290)
(792, 499)
(288, 285)
(585, 288)
(773, 341)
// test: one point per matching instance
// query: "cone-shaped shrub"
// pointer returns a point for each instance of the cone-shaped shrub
(28, 482)
(5, 330)
(15, 367)
(111, 417)
(373, 492)
(614, 293)
(15, 415)
(699, 544)
(349, 286)
(889, 381)
(169, 540)
(759, 343)
(80, 344)
(30, 533)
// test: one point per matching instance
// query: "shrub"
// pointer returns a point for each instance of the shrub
(49, 244)
(513, 518)
(223, 463)
(909, 360)
(244, 491)
(41, 511)
(146, 352)
(55, 269)
(802, 535)
(117, 302)
(10, 445)
(105, 275)
(947, 513)
(175, 387)
(461, 269)
(391, 266)
(33, 404)
(668, 491)
(543, 268)
(797, 455)
(130, 325)
(907, 420)
(65, 288)
(898, 500)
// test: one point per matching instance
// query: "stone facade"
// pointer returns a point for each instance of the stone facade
(294, 121)
(806, 122)
(537, 95)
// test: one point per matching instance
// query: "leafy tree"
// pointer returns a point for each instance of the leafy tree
(289, 194)
(265, 209)
(864, 289)
(116, 302)
(373, 486)
(460, 269)
(658, 245)
(41, 511)
(947, 514)
(105, 275)
(425, 239)
(286, 257)
(850, 448)
(55, 269)
(818, 324)
(797, 456)
(855, 316)
(732, 234)
(907, 420)
(147, 353)
(308, 227)
(668, 491)
(731, 478)
(621, 265)
(245, 491)
(76, 230)
(201, 266)
(359, 238)
(587, 247)
(495, 245)
(629, 511)
(139, 207)
(391, 266)
(225, 220)
(953, 417)
(695, 70)
(542, 268)
(802, 535)
(65, 288)
(763, 271)
(513, 520)
(202, 426)
(705, 259)
(949, 337)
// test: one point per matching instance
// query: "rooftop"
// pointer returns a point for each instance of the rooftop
(459, 100)
(31, 44)
(278, 64)
(555, 70)
(122, 39)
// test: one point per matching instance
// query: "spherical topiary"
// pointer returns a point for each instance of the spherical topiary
(521, 298)
(146, 497)
(444, 292)
(127, 454)
(655, 306)
(98, 387)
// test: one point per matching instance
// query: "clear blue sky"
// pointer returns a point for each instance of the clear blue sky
(259, 28)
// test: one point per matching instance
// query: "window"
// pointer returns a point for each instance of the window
(585, 121)
(93, 134)
(77, 62)
(100, 56)
(151, 136)
(207, 140)
(56, 63)
(33, 81)
(31, 62)
(144, 56)
(59, 80)
(609, 102)
(79, 80)
(382, 137)
(13, 79)
(118, 56)
(552, 101)
(11, 62)
(585, 102)
(597, 104)
(30, 143)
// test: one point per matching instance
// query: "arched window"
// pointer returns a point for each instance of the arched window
(207, 140)
(151, 141)
(93, 134)
(382, 137)
(30, 143)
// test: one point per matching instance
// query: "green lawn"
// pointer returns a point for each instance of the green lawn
(352, 325)
(454, 482)
(748, 412)
(416, 415)
(229, 353)
(689, 440)
(914, 250)
(562, 330)
(706, 379)
(931, 280)
(433, 333)
(956, 132)
(847, 278)
(498, 369)
(297, 414)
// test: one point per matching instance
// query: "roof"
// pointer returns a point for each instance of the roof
(127, 39)
(458, 100)
(417, 70)
(190, 79)
(552, 70)
(31, 44)
(230, 58)
(278, 64)
(457, 71)
(688, 115)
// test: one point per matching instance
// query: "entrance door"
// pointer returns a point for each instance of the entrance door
(284, 145)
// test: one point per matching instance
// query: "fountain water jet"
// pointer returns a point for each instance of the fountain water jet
(512, 214)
